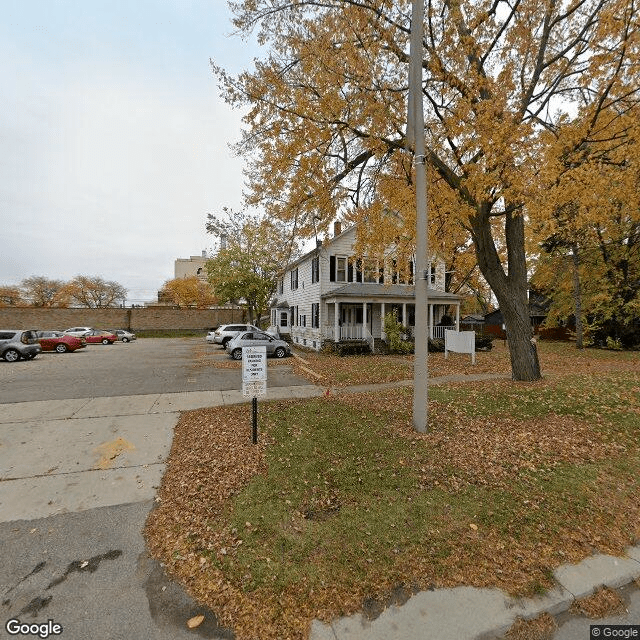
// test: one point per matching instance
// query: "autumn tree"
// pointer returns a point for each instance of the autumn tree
(590, 237)
(188, 292)
(326, 113)
(253, 253)
(40, 291)
(10, 296)
(95, 292)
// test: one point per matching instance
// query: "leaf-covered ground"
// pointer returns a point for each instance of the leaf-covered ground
(342, 503)
(336, 371)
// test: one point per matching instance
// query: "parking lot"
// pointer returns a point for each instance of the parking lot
(145, 366)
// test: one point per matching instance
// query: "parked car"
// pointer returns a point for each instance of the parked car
(59, 341)
(79, 332)
(275, 347)
(225, 332)
(18, 343)
(95, 336)
(124, 335)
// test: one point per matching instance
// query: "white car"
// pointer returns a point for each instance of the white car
(225, 332)
(78, 332)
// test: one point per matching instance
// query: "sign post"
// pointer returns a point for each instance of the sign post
(254, 381)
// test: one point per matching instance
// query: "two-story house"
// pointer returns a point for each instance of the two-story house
(330, 294)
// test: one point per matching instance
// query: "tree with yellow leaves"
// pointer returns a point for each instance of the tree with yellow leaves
(590, 234)
(189, 291)
(326, 114)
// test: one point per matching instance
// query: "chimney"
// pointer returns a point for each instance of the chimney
(204, 253)
(337, 228)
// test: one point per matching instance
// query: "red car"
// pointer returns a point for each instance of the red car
(60, 342)
(106, 337)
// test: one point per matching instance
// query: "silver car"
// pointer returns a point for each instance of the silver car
(124, 336)
(16, 344)
(275, 347)
(78, 332)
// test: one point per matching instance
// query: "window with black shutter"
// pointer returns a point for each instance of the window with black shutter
(358, 270)
(332, 268)
(315, 269)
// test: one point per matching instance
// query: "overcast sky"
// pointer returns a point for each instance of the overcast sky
(113, 140)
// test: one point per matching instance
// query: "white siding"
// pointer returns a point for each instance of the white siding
(309, 293)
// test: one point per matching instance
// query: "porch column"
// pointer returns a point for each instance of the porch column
(336, 322)
(383, 335)
(364, 318)
(404, 314)
(458, 316)
(430, 320)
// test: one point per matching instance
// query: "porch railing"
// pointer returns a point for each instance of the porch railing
(358, 332)
(438, 332)
(369, 338)
(351, 332)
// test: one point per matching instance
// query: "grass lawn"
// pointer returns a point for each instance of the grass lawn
(555, 357)
(342, 504)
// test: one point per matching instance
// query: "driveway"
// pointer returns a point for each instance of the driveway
(84, 438)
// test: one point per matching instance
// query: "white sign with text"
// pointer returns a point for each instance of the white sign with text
(254, 364)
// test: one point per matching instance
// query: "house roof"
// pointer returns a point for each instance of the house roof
(320, 244)
(373, 290)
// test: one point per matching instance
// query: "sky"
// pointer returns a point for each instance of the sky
(114, 142)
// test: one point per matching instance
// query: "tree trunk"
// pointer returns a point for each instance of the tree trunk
(510, 289)
(577, 296)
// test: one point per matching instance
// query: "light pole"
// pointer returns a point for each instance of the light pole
(415, 135)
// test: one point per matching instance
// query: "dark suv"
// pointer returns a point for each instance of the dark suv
(16, 344)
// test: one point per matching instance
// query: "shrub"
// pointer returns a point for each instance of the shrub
(396, 335)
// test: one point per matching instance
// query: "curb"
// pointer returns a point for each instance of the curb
(470, 613)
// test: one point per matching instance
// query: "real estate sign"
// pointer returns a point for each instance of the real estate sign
(460, 342)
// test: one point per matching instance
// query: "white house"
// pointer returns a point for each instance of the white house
(330, 294)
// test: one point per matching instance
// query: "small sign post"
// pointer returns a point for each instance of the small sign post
(254, 381)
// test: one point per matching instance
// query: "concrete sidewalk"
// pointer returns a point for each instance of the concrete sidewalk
(66, 456)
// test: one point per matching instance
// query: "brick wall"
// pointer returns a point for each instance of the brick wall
(137, 319)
